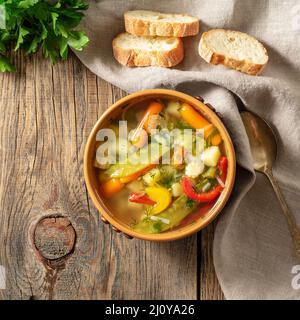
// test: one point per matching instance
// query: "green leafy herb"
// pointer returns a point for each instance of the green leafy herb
(190, 203)
(41, 24)
(5, 65)
(167, 179)
(157, 227)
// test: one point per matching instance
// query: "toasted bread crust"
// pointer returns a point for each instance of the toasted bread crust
(142, 58)
(215, 58)
(142, 27)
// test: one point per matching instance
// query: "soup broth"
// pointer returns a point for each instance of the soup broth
(165, 168)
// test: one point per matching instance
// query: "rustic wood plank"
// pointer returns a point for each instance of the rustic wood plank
(208, 283)
(47, 113)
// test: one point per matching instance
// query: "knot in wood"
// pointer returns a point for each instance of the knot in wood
(54, 238)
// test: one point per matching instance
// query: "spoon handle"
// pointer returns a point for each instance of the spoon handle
(294, 229)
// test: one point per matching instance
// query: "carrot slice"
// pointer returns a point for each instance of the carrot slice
(216, 140)
(197, 121)
(111, 187)
(136, 175)
(153, 109)
(139, 138)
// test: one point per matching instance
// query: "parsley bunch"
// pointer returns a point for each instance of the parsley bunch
(45, 24)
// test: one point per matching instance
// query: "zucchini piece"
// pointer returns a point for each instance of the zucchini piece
(175, 214)
(210, 173)
(130, 168)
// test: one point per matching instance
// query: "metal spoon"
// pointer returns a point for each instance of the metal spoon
(264, 152)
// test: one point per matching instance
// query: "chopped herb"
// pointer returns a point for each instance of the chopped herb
(167, 180)
(169, 175)
(157, 227)
(148, 211)
(190, 203)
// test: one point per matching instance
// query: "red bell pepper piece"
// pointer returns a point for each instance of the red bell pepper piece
(190, 192)
(223, 168)
(141, 198)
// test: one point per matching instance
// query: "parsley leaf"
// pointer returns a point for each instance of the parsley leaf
(41, 24)
(5, 65)
(23, 32)
(25, 4)
(77, 40)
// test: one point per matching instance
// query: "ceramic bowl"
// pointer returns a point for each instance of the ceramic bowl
(107, 215)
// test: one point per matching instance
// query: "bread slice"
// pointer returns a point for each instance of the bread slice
(150, 23)
(136, 51)
(233, 49)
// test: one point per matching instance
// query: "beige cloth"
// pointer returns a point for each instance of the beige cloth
(253, 252)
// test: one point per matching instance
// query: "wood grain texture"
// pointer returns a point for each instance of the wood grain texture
(208, 282)
(54, 238)
(47, 113)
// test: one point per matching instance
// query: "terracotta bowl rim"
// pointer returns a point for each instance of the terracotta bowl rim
(180, 233)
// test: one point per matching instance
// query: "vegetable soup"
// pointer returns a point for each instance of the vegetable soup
(161, 165)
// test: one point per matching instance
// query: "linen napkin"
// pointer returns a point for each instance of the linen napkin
(253, 252)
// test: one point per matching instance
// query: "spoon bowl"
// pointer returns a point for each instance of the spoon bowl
(263, 145)
(262, 141)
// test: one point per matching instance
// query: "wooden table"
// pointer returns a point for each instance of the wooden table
(52, 242)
